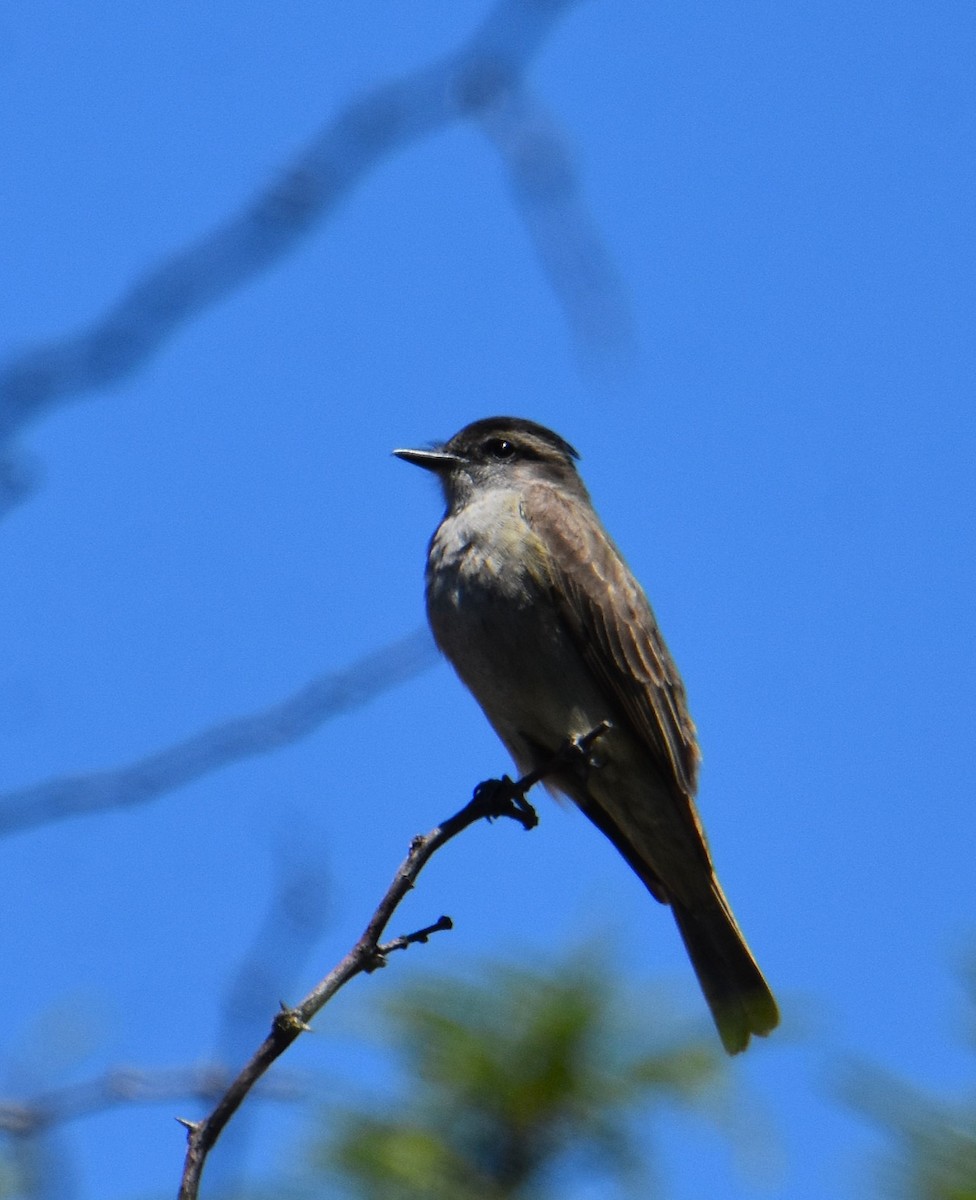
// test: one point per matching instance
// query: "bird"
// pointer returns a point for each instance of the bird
(530, 600)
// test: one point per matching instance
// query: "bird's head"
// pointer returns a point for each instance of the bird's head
(498, 452)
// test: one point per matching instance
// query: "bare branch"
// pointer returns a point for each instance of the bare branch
(493, 799)
(324, 697)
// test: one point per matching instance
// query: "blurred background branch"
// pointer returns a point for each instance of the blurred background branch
(123, 1086)
(35, 1164)
(483, 80)
(299, 715)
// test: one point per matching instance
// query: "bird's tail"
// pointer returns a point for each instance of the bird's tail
(734, 987)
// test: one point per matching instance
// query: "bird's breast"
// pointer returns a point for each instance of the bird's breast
(493, 613)
(486, 553)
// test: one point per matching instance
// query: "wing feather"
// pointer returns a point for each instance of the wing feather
(613, 625)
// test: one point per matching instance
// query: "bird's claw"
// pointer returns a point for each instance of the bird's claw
(505, 797)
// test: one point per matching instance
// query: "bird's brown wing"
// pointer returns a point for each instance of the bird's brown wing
(611, 622)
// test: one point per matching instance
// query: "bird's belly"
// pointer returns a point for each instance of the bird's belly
(508, 645)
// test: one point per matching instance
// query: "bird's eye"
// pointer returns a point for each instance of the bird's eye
(499, 448)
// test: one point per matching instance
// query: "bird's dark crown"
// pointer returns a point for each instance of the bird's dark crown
(501, 438)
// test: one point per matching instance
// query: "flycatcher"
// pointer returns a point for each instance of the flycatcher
(541, 618)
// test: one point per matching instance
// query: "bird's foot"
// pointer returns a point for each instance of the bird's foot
(577, 750)
(505, 797)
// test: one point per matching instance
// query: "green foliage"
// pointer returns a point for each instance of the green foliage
(10, 1184)
(513, 1076)
(933, 1142)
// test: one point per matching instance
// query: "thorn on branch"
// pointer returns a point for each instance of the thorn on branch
(374, 959)
(290, 1020)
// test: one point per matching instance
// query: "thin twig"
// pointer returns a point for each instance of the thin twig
(492, 799)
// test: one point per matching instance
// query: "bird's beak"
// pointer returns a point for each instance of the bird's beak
(438, 461)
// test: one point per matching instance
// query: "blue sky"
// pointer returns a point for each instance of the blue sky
(783, 446)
